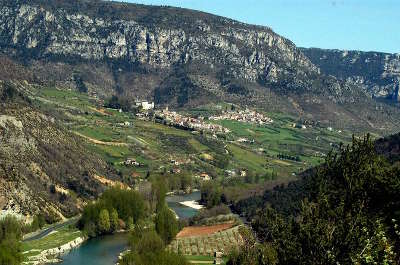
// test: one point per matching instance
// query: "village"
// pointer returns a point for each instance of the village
(248, 116)
(175, 119)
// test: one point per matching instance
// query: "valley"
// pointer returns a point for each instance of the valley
(254, 158)
(117, 136)
(136, 134)
(245, 162)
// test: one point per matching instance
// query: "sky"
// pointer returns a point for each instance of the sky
(366, 25)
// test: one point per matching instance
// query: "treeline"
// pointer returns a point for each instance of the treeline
(115, 209)
(118, 102)
(348, 213)
(230, 189)
(286, 199)
(173, 182)
(119, 208)
(288, 157)
(10, 236)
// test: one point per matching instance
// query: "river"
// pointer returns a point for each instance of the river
(183, 211)
(102, 250)
(105, 250)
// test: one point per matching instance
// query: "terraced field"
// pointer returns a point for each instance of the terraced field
(207, 243)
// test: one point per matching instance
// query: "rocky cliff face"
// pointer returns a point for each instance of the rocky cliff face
(378, 74)
(244, 52)
(178, 57)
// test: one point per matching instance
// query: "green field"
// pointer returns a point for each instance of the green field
(281, 138)
(57, 238)
(155, 145)
(202, 260)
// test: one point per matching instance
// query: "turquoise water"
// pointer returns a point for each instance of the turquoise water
(182, 211)
(98, 251)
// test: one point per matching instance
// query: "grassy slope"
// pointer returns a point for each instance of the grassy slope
(154, 144)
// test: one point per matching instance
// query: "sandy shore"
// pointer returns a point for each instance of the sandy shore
(192, 204)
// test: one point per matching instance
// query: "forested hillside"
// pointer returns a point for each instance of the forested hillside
(345, 211)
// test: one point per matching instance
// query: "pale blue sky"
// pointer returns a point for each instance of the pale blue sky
(368, 25)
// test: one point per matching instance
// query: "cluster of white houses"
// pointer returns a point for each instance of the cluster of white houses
(175, 119)
(248, 116)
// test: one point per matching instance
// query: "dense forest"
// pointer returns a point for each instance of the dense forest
(344, 212)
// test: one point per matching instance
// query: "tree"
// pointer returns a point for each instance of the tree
(222, 161)
(10, 252)
(348, 213)
(160, 189)
(9, 92)
(114, 222)
(147, 248)
(210, 194)
(90, 229)
(130, 225)
(166, 224)
(104, 221)
(147, 241)
(10, 227)
(186, 181)
(80, 85)
(253, 253)
(10, 236)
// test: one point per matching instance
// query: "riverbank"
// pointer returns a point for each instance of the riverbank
(175, 202)
(52, 255)
(102, 250)
(192, 204)
(50, 247)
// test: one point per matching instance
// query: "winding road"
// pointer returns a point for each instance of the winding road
(48, 230)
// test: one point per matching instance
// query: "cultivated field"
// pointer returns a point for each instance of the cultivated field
(202, 230)
(106, 133)
(206, 241)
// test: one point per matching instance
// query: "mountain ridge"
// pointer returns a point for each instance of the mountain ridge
(181, 58)
(377, 73)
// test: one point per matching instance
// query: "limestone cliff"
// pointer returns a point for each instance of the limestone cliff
(178, 57)
(248, 52)
(377, 73)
